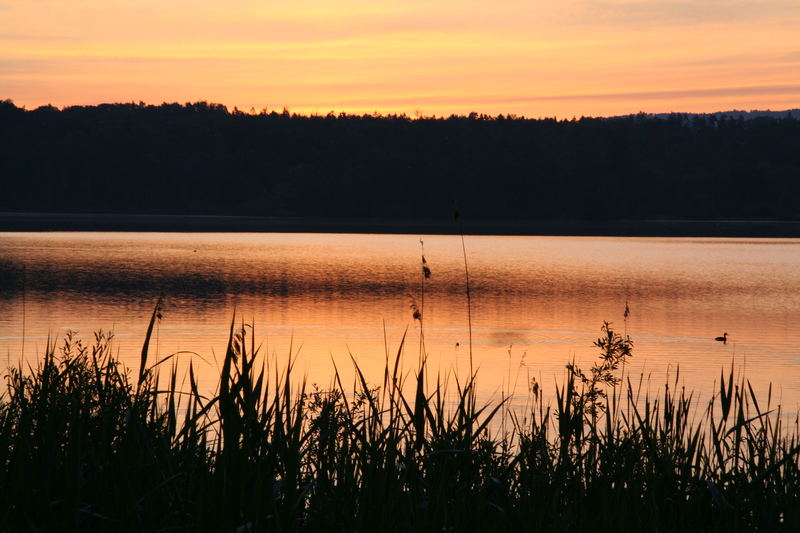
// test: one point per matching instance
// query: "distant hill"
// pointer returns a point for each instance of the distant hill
(201, 158)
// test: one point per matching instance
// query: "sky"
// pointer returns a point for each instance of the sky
(537, 58)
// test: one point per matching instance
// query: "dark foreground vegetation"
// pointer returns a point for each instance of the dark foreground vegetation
(85, 447)
(202, 159)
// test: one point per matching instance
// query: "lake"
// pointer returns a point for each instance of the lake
(536, 302)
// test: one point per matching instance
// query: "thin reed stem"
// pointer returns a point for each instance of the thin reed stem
(469, 296)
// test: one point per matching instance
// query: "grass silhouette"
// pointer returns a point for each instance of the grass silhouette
(83, 448)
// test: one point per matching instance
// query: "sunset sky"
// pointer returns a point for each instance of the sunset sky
(534, 57)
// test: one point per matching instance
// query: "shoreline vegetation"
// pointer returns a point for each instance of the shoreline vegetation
(502, 173)
(35, 222)
(85, 445)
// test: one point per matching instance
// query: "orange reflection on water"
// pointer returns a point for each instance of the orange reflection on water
(537, 302)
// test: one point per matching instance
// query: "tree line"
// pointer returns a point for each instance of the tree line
(201, 158)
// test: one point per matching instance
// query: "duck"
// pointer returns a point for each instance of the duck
(723, 339)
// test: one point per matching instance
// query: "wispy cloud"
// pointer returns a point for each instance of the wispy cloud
(675, 95)
(667, 13)
(28, 38)
(760, 58)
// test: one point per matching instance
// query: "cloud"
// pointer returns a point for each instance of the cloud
(681, 12)
(12, 37)
(20, 66)
(672, 95)
(260, 22)
(734, 60)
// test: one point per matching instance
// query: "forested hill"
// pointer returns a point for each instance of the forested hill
(202, 159)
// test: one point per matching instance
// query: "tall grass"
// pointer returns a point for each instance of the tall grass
(83, 448)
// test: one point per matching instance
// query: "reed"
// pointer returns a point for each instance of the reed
(83, 448)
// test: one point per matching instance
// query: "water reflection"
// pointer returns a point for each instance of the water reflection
(537, 302)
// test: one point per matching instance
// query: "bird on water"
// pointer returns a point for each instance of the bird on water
(723, 339)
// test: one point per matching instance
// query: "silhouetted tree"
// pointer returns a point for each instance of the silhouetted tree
(201, 158)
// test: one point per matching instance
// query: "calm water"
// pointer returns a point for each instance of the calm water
(537, 301)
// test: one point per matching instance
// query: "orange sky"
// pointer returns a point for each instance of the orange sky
(534, 57)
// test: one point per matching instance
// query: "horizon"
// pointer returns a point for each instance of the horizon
(336, 113)
(579, 58)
